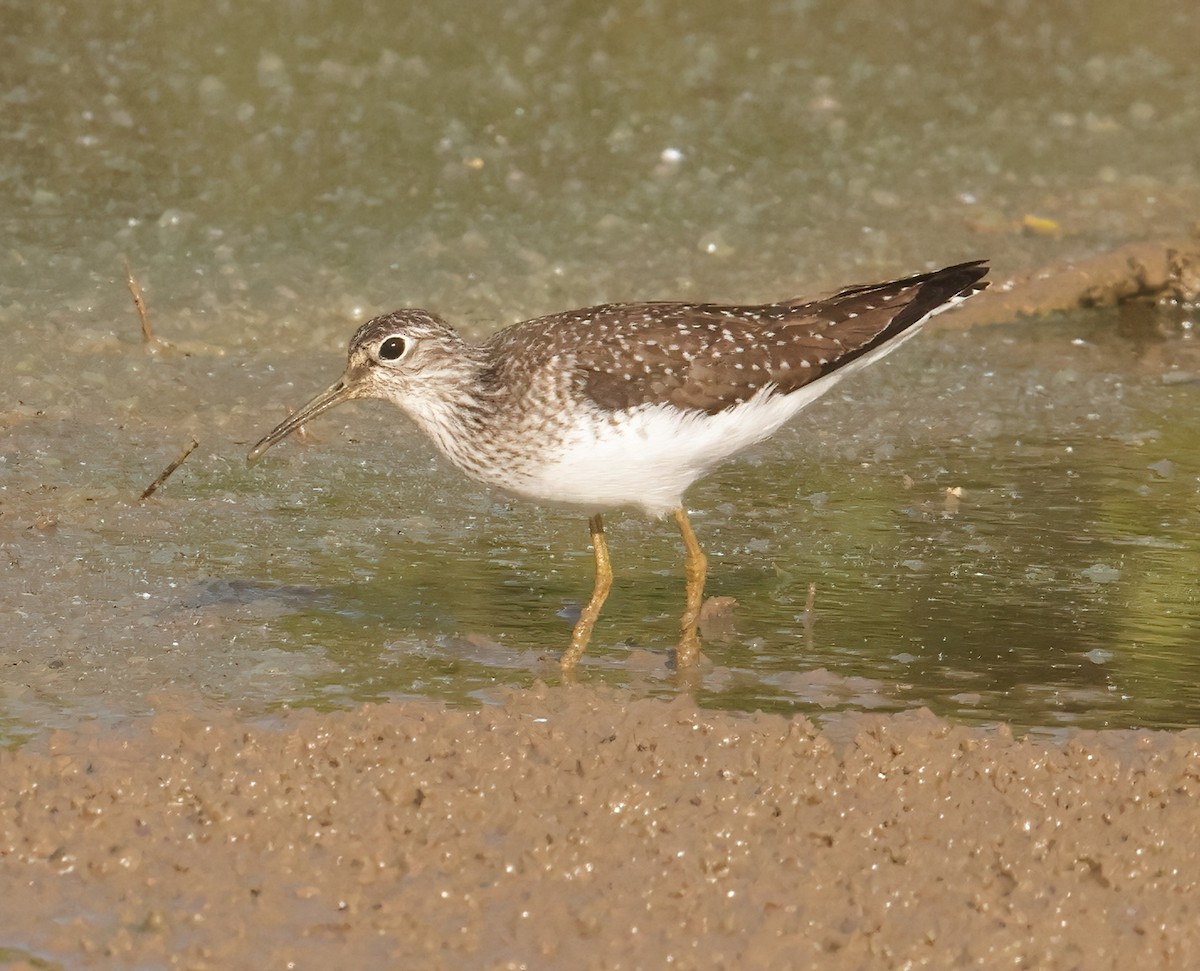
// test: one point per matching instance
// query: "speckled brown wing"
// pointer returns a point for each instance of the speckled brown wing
(701, 356)
(708, 357)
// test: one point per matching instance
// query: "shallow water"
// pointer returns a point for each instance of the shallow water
(273, 187)
(1030, 560)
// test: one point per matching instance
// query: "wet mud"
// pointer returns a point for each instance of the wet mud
(571, 827)
(1144, 272)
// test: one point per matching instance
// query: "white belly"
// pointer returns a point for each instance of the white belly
(653, 454)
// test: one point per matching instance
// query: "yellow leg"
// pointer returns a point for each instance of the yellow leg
(695, 566)
(587, 618)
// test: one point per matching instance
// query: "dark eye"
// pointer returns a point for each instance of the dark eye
(391, 349)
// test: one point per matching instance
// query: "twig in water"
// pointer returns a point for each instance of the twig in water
(166, 473)
(139, 302)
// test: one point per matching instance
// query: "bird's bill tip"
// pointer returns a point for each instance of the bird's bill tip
(335, 395)
(256, 453)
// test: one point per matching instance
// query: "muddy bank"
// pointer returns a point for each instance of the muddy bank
(573, 828)
(1166, 270)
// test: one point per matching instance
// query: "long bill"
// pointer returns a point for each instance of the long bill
(342, 391)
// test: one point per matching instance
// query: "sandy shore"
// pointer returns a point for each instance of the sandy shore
(569, 827)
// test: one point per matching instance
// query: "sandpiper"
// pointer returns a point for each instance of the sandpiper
(627, 404)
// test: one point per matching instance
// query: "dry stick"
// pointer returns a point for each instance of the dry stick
(166, 473)
(135, 291)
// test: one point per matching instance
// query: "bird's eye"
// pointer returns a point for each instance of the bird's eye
(391, 349)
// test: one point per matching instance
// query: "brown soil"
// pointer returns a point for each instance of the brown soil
(571, 828)
(1153, 270)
